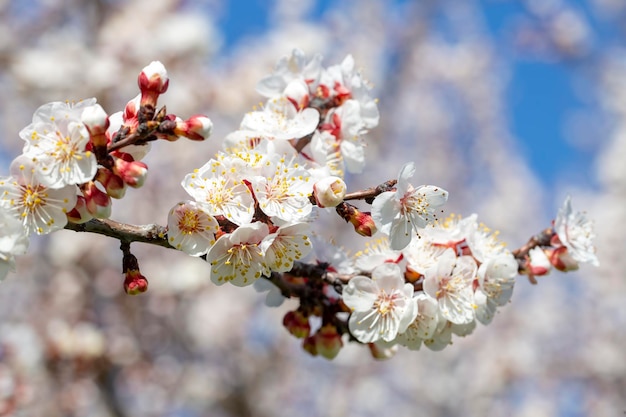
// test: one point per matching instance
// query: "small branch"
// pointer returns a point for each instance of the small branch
(370, 193)
(541, 239)
(150, 233)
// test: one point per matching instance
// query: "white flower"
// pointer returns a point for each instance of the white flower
(40, 209)
(450, 283)
(382, 306)
(295, 67)
(190, 228)
(282, 190)
(56, 141)
(285, 246)
(326, 151)
(483, 242)
(576, 233)
(422, 254)
(13, 242)
(329, 191)
(337, 258)
(401, 213)
(346, 81)
(377, 252)
(219, 187)
(496, 277)
(452, 231)
(280, 119)
(238, 257)
(425, 324)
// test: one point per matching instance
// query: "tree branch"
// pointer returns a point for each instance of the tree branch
(150, 233)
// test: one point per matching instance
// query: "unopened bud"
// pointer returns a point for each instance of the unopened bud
(153, 81)
(538, 262)
(297, 92)
(561, 259)
(309, 345)
(329, 191)
(132, 109)
(79, 214)
(95, 119)
(133, 173)
(362, 221)
(197, 127)
(134, 282)
(98, 203)
(328, 341)
(297, 324)
(113, 184)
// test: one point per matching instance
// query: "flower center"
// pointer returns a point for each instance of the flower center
(33, 197)
(189, 223)
(385, 303)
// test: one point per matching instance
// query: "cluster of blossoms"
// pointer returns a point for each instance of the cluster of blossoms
(252, 207)
(76, 158)
(253, 203)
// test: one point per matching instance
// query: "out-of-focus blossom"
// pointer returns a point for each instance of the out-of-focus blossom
(13, 242)
(450, 283)
(424, 325)
(576, 233)
(280, 119)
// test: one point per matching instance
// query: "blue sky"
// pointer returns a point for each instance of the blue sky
(541, 96)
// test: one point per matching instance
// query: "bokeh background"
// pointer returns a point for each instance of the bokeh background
(509, 105)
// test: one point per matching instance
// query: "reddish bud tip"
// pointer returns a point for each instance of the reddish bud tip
(297, 324)
(135, 283)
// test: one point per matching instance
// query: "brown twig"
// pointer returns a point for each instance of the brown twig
(370, 193)
(150, 233)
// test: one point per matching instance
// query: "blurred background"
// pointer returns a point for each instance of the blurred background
(509, 105)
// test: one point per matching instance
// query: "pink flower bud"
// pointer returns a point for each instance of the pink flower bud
(364, 224)
(133, 173)
(309, 345)
(328, 341)
(538, 262)
(152, 81)
(135, 283)
(197, 127)
(362, 221)
(297, 324)
(297, 92)
(79, 214)
(95, 119)
(561, 259)
(98, 203)
(329, 191)
(131, 109)
(113, 184)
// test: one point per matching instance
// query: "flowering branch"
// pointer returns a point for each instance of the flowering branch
(250, 212)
